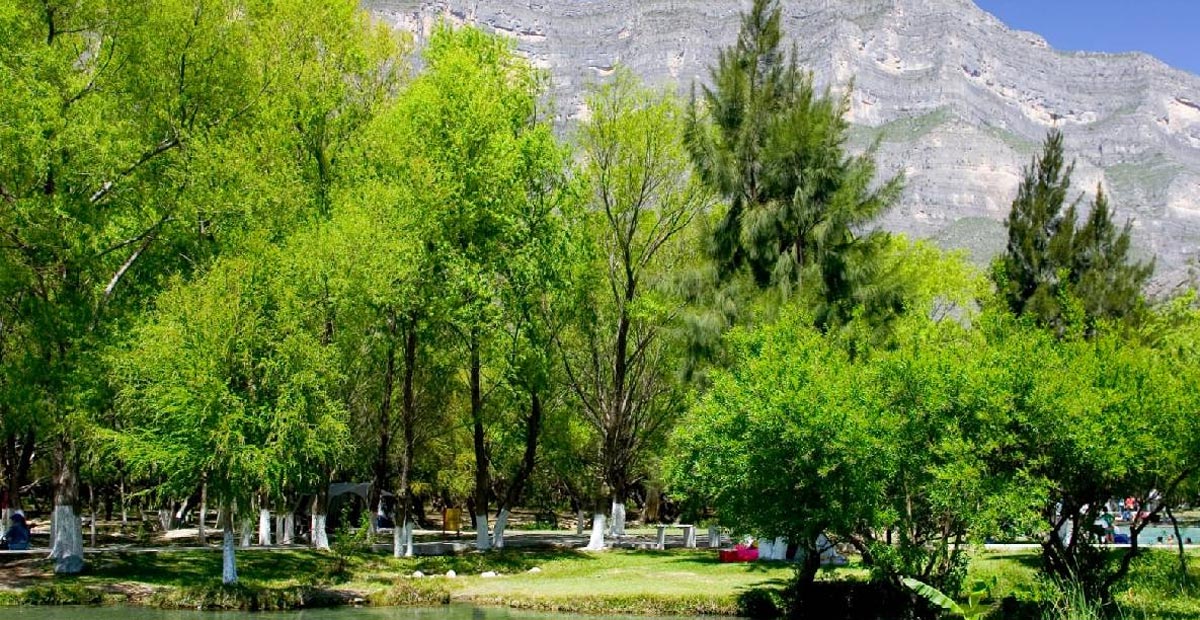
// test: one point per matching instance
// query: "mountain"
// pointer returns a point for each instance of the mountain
(960, 101)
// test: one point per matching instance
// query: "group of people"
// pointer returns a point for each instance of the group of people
(17, 536)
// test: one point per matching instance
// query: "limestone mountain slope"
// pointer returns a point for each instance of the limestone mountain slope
(960, 100)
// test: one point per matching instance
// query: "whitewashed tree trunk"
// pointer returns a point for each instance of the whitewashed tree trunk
(289, 528)
(228, 565)
(579, 522)
(279, 525)
(501, 525)
(714, 537)
(618, 518)
(201, 533)
(92, 509)
(597, 541)
(320, 539)
(408, 538)
(264, 527)
(66, 546)
(397, 540)
(483, 542)
(247, 532)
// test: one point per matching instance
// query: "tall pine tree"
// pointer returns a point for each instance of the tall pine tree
(774, 148)
(1060, 274)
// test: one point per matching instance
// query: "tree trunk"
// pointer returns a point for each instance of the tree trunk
(402, 518)
(320, 539)
(382, 467)
(1183, 561)
(228, 564)
(618, 517)
(92, 508)
(533, 428)
(483, 542)
(597, 540)
(124, 505)
(264, 526)
(201, 534)
(66, 545)
(289, 528)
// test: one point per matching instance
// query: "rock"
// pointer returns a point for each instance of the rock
(451, 574)
(535, 570)
(418, 574)
(961, 100)
(489, 574)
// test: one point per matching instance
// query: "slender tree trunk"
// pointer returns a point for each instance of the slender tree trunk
(482, 540)
(1183, 561)
(289, 528)
(402, 519)
(382, 465)
(92, 508)
(533, 428)
(66, 545)
(201, 534)
(228, 563)
(124, 505)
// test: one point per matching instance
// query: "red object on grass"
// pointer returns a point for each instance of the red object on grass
(740, 553)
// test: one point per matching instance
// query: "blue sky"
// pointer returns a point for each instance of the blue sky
(1168, 29)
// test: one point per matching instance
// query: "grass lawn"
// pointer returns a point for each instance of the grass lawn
(674, 582)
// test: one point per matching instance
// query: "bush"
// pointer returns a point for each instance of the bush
(760, 603)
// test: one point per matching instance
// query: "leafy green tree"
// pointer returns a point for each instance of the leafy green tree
(774, 148)
(141, 139)
(470, 125)
(223, 383)
(641, 207)
(1056, 272)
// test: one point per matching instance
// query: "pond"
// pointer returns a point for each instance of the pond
(449, 612)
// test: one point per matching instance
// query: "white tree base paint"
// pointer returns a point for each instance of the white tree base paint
(247, 533)
(772, 550)
(66, 546)
(714, 537)
(597, 541)
(320, 539)
(483, 541)
(408, 538)
(228, 566)
(279, 525)
(618, 519)
(397, 541)
(264, 527)
(289, 529)
(501, 525)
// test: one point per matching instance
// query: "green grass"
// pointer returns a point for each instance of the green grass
(674, 582)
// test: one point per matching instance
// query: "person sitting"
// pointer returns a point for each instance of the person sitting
(17, 536)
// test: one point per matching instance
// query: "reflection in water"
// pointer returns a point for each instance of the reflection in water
(449, 612)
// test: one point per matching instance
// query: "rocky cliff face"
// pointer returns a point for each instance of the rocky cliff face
(961, 101)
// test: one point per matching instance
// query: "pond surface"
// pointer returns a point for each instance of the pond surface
(449, 612)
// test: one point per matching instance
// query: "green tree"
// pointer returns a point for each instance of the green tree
(224, 383)
(140, 140)
(1059, 274)
(641, 206)
(774, 148)
(470, 124)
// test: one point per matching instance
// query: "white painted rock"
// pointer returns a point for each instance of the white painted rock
(418, 574)
(535, 570)
(489, 574)
(451, 574)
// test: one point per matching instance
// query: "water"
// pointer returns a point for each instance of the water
(449, 612)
